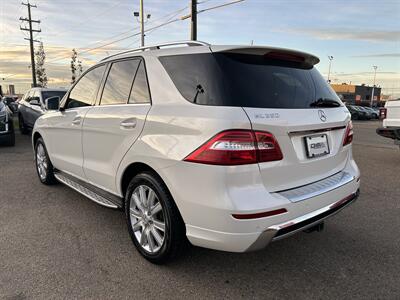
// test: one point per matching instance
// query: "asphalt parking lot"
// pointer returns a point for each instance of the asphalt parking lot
(55, 243)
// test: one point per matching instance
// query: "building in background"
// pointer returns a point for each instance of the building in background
(11, 89)
(358, 94)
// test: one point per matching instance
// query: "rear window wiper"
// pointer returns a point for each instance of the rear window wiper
(325, 102)
(199, 89)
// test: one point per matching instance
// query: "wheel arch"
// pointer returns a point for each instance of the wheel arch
(138, 167)
(35, 136)
(131, 171)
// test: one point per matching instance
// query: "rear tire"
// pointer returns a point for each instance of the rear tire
(22, 127)
(160, 236)
(44, 168)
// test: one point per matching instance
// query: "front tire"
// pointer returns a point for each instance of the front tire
(154, 222)
(43, 164)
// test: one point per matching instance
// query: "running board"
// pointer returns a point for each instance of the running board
(91, 192)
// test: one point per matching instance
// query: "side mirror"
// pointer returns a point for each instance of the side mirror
(52, 103)
(35, 101)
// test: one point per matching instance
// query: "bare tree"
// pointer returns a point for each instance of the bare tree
(40, 58)
(80, 67)
(73, 65)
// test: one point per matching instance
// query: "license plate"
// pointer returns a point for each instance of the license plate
(317, 145)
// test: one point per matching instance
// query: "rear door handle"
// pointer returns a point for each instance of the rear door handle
(129, 123)
(76, 120)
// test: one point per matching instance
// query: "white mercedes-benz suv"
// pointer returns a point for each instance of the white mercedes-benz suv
(225, 147)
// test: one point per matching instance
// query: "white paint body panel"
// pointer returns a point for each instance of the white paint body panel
(63, 138)
(105, 140)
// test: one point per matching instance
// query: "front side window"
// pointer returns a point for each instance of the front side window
(26, 96)
(35, 96)
(140, 90)
(84, 92)
(29, 95)
(119, 82)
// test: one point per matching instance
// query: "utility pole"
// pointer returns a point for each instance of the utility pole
(193, 22)
(31, 40)
(140, 14)
(141, 24)
(373, 87)
(329, 70)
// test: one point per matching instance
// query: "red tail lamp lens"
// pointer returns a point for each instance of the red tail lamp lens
(348, 137)
(237, 147)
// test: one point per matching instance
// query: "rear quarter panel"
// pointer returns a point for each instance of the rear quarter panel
(172, 132)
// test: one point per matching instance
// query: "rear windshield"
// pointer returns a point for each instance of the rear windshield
(48, 94)
(228, 79)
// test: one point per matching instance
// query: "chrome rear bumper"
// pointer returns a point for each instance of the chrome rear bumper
(280, 231)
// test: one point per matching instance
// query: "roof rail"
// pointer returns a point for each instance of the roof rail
(159, 46)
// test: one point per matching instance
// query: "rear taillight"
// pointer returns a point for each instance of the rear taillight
(267, 147)
(382, 113)
(348, 137)
(237, 147)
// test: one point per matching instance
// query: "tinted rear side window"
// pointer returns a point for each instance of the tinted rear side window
(140, 90)
(228, 79)
(119, 82)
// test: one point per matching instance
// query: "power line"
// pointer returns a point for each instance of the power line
(119, 40)
(87, 49)
(195, 12)
(219, 6)
(171, 15)
(149, 30)
(69, 28)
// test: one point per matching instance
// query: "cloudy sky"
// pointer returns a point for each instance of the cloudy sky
(357, 33)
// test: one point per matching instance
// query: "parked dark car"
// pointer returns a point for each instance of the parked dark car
(356, 113)
(7, 134)
(33, 105)
(373, 113)
(11, 102)
(369, 114)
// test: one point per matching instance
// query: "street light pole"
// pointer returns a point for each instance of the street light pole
(373, 87)
(329, 70)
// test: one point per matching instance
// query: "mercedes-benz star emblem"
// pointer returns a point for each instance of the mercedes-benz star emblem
(322, 115)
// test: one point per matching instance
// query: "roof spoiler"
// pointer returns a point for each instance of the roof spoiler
(271, 52)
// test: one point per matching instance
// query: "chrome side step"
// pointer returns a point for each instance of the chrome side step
(84, 191)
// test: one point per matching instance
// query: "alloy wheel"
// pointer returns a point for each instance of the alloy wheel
(41, 161)
(147, 219)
